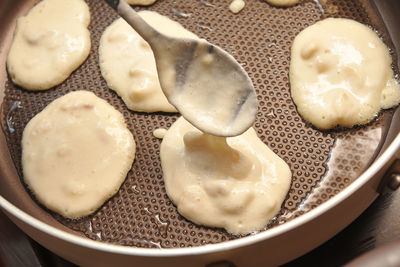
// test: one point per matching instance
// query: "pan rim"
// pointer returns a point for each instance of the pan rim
(366, 176)
(379, 163)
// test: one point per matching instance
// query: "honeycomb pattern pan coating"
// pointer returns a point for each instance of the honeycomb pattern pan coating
(259, 37)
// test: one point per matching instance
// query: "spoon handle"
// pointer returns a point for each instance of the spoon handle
(130, 15)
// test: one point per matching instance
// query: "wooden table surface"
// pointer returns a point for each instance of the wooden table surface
(378, 225)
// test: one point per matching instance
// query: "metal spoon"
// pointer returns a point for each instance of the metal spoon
(205, 84)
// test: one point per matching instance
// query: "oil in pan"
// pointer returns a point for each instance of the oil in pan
(260, 38)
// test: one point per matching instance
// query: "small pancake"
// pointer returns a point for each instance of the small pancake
(127, 62)
(49, 44)
(236, 183)
(76, 153)
(340, 74)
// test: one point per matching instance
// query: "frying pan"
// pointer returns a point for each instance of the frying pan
(336, 174)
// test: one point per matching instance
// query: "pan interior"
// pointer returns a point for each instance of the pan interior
(259, 37)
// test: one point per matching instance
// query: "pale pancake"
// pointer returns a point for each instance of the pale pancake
(340, 74)
(50, 42)
(127, 62)
(76, 153)
(236, 183)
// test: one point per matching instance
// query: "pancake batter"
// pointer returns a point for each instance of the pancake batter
(236, 6)
(49, 44)
(340, 74)
(76, 154)
(235, 183)
(283, 3)
(128, 65)
(141, 2)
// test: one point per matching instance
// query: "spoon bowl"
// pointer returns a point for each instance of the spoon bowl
(204, 83)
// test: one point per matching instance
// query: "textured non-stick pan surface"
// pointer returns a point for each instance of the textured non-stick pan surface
(259, 37)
